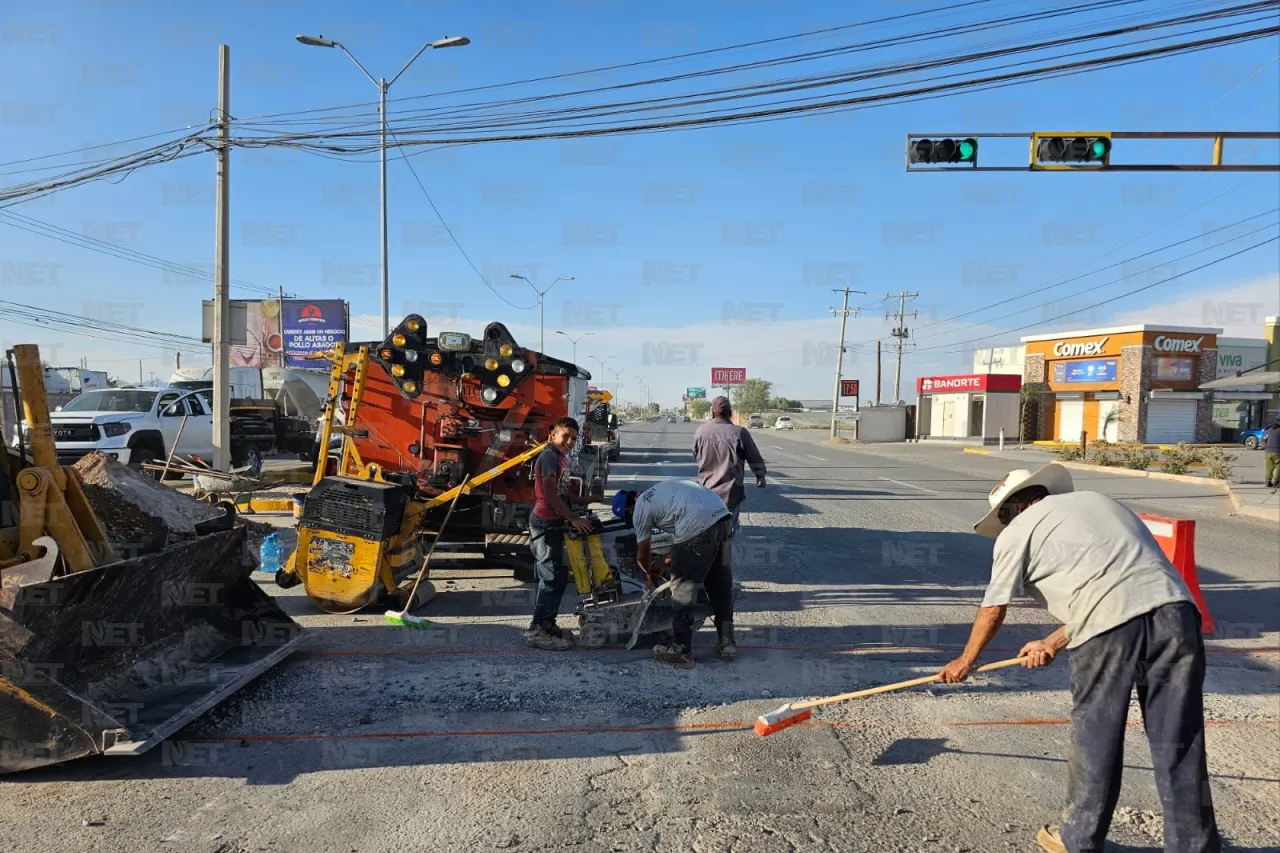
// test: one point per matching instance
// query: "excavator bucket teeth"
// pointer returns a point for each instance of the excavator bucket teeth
(115, 659)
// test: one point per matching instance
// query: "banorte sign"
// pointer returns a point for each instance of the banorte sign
(970, 382)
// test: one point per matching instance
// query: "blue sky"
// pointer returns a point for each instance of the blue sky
(659, 231)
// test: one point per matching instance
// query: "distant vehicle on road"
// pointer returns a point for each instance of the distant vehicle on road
(783, 422)
(686, 419)
(671, 419)
(1253, 438)
(755, 422)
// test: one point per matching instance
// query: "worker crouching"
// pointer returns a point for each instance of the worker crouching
(700, 524)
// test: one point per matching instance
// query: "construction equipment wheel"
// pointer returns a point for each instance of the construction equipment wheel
(286, 580)
(592, 635)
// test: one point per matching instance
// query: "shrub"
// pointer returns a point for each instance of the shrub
(1179, 458)
(1218, 463)
(1070, 453)
(1103, 453)
(1138, 458)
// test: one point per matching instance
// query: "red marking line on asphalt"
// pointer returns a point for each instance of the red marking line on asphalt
(1270, 650)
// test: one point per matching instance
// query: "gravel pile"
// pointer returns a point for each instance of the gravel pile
(178, 511)
(129, 530)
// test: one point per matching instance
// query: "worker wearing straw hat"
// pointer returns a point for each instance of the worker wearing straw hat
(1129, 621)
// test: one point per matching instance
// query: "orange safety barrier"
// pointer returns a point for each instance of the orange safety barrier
(1177, 538)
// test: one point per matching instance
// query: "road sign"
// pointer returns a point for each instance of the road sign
(848, 388)
(722, 377)
(695, 393)
(600, 396)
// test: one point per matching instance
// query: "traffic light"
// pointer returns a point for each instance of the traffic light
(944, 151)
(1068, 148)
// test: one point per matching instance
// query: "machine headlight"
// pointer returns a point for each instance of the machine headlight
(436, 358)
(412, 325)
(504, 380)
(506, 350)
(118, 428)
(489, 395)
(399, 339)
(517, 366)
(410, 387)
(491, 364)
(411, 355)
(397, 370)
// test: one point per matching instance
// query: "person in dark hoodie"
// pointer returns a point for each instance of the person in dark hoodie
(1271, 446)
(724, 450)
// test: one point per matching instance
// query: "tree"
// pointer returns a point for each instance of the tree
(783, 404)
(752, 396)
(1030, 394)
(654, 409)
(698, 409)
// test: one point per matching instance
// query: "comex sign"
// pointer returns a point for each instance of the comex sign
(1163, 344)
(1065, 350)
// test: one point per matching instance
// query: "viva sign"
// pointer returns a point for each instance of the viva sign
(1062, 349)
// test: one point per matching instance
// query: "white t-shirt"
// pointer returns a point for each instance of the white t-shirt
(680, 507)
(1087, 559)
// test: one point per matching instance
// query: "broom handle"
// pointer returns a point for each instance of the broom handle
(432, 548)
(887, 688)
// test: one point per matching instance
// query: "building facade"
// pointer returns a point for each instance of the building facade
(1124, 384)
(974, 407)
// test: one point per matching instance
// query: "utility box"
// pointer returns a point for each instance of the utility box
(881, 423)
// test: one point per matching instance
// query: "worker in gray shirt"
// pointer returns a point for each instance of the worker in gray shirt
(724, 450)
(1129, 621)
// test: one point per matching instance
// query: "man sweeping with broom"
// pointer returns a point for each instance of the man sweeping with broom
(1128, 620)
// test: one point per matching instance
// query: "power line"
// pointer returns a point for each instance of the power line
(449, 231)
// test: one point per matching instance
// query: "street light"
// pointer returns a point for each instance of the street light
(542, 335)
(574, 341)
(383, 85)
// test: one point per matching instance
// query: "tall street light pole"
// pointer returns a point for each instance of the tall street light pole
(542, 335)
(574, 341)
(604, 380)
(383, 85)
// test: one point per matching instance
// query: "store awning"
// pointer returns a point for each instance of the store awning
(1246, 380)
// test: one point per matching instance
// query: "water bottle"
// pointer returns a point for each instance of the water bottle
(271, 554)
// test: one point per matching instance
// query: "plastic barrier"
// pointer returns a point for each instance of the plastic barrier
(1177, 538)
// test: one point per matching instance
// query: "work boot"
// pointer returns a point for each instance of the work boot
(726, 648)
(673, 655)
(540, 636)
(1049, 839)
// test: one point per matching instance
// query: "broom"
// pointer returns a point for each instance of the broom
(403, 617)
(790, 714)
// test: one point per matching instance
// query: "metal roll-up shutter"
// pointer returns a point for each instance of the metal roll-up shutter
(1171, 421)
(1070, 419)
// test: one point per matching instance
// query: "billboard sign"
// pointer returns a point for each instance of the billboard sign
(1100, 370)
(848, 387)
(722, 377)
(695, 393)
(312, 326)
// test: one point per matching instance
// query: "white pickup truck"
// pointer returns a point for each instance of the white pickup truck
(133, 425)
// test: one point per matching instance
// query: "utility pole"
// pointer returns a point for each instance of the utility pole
(222, 272)
(844, 316)
(139, 371)
(901, 333)
(877, 373)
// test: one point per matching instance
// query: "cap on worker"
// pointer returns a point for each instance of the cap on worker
(1053, 477)
(720, 406)
(620, 503)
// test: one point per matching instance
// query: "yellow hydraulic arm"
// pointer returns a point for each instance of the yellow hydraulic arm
(49, 497)
(481, 479)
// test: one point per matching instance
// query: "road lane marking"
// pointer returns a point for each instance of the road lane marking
(908, 485)
(819, 458)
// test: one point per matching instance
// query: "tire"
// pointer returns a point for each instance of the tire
(141, 456)
(305, 456)
(1251, 442)
(592, 635)
(251, 455)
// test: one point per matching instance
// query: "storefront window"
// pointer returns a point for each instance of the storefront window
(1174, 369)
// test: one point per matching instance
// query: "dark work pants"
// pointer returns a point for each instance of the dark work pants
(1162, 654)
(549, 561)
(702, 562)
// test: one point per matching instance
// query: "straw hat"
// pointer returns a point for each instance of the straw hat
(1053, 477)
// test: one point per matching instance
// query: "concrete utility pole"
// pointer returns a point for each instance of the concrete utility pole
(844, 316)
(877, 373)
(222, 272)
(901, 333)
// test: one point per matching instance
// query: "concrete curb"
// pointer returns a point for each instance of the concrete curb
(1265, 513)
(977, 451)
(1221, 485)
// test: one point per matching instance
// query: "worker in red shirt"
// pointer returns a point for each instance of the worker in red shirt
(552, 510)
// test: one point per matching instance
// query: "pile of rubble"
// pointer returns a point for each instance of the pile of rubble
(135, 508)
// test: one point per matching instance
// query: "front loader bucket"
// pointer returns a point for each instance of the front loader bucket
(115, 659)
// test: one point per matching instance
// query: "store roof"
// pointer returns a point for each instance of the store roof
(1120, 330)
(1245, 380)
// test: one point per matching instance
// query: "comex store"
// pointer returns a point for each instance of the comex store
(973, 407)
(1132, 384)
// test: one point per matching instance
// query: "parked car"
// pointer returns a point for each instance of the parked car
(686, 419)
(783, 422)
(133, 425)
(755, 422)
(1253, 438)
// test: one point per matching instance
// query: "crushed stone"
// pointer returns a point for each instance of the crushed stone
(178, 511)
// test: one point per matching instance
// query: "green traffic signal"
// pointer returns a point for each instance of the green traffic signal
(968, 150)
(1099, 148)
(943, 151)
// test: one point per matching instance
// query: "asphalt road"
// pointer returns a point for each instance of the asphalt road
(860, 568)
